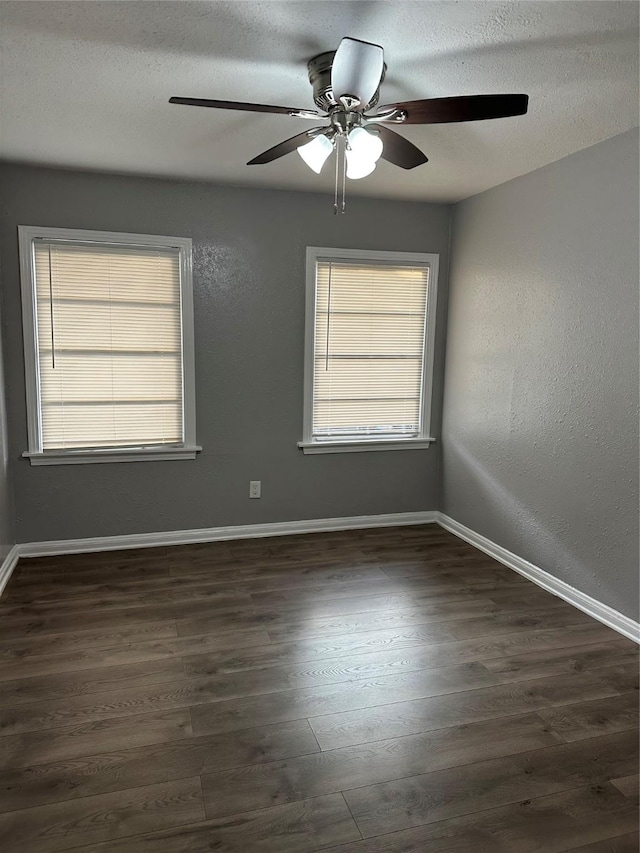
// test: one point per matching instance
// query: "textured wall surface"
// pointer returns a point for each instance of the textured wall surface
(7, 511)
(540, 414)
(249, 291)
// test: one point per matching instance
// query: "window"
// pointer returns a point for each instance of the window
(369, 350)
(108, 336)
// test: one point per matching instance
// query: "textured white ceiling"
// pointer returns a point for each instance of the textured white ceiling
(86, 84)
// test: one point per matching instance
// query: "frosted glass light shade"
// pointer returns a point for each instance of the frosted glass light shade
(315, 153)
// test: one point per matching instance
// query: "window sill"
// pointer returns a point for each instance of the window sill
(313, 447)
(119, 454)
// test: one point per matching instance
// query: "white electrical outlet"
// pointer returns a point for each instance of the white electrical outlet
(255, 489)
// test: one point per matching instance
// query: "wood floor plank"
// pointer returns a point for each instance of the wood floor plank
(443, 794)
(622, 844)
(322, 592)
(318, 648)
(314, 626)
(71, 742)
(133, 653)
(300, 827)
(339, 606)
(59, 826)
(419, 565)
(21, 647)
(420, 715)
(524, 595)
(629, 786)
(299, 778)
(292, 704)
(19, 626)
(487, 626)
(101, 773)
(418, 653)
(117, 601)
(559, 661)
(48, 688)
(419, 586)
(510, 594)
(38, 591)
(70, 565)
(225, 618)
(293, 676)
(282, 627)
(624, 677)
(98, 582)
(311, 598)
(485, 570)
(264, 582)
(370, 665)
(543, 825)
(431, 548)
(266, 615)
(592, 718)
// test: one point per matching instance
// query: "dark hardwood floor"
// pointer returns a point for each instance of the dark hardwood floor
(372, 691)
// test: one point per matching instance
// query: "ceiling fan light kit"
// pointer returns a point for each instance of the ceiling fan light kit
(316, 152)
(346, 83)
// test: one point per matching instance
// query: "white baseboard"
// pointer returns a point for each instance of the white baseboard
(215, 534)
(8, 565)
(602, 612)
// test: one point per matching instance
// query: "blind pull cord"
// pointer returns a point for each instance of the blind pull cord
(326, 358)
(53, 343)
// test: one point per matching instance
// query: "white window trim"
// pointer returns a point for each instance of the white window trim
(314, 253)
(36, 455)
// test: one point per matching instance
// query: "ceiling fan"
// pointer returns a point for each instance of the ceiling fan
(346, 83)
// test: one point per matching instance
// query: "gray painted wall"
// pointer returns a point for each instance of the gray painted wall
(249, 283)
(540, 413)
(7, 510)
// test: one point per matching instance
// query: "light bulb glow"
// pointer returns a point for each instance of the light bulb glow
(359, 167)
(363, 153)
(365, 144)
(315, 153)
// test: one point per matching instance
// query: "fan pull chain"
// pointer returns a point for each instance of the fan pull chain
(53, 342)
(335, 194)
(326, 357)
(344, 176)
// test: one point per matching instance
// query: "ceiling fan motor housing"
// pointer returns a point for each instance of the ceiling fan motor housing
(320, 78)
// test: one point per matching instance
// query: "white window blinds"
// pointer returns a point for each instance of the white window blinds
(369, 350)
(109, 345)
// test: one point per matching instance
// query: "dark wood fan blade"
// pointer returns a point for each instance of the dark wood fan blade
(463, 108)
(398, 150)
(285, 147)
(238, 105)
